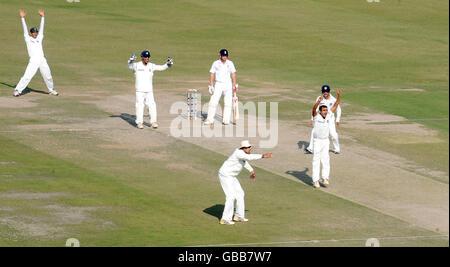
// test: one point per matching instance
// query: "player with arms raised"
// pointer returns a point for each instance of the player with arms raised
(143, 72)
(33, 40)
(321, 132)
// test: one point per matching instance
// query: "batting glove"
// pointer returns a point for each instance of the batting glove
(211, 89)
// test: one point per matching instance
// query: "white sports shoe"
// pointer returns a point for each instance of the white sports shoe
(155, 125)
(238, 219)
(316, 184)
(16, 93)
(53, 92)
(140, 126)
(208, 122)
(226, 222)
(326, 182)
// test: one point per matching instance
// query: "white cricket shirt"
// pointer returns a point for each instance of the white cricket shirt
(223, 71)
(322, 126)
(34, 45)
(144, 75)
(238, 160)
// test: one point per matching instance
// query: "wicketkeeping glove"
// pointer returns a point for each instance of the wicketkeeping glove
(211, 89)
(169, 62)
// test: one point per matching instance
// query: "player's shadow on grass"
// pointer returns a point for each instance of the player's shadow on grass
(26, 90)
(302, 176)
(131, 119)
(215, 210)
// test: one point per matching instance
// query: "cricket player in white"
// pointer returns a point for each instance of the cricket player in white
(37, 60)
(224, 72)
(143, 72)
(328, 100)
(230, 184)
(322, 125)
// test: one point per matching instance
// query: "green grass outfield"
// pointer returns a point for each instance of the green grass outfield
(370, 50)
(144, 204)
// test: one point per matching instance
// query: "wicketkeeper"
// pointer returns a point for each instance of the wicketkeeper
(143, 72)
(230, 184)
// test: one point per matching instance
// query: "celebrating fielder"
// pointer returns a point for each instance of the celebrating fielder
(321, 132)
(224, 72)
(230, 184)
(33, 40)
(143, 72)
(328, 100)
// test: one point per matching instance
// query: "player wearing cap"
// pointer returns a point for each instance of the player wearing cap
(230, 184)
(321, 132)
(328, 100)
(224, 73)
(143, 72)
(33, 40)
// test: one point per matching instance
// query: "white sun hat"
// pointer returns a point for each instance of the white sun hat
(245, 144)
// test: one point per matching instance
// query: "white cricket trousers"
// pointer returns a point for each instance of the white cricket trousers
(333, 134)
(321, 155)
(145, 99)
(34, 64)
(233, 192)
(219, 90)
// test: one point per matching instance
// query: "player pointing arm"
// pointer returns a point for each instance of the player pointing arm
(230, 184)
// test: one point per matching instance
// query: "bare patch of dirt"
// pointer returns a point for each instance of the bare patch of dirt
(29, 195)
(411, 90)
(16, 102)
(32, 226)
(391, 124)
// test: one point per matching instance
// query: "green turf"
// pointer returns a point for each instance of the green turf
(144, 204)
(368, 50)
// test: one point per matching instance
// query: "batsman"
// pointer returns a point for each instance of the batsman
(224, 73)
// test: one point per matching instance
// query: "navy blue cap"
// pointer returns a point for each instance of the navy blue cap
(325, 88)
(34, 30)
(145, 53)
(223, 52)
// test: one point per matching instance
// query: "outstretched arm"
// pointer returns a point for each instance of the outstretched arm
(338, 115)
(160, 67)
(41, 27)
(314, 111)
(131, 64)
(258, 156)
(336, 104)
(24, 24)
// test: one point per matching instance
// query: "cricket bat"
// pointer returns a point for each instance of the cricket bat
(235, 104)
